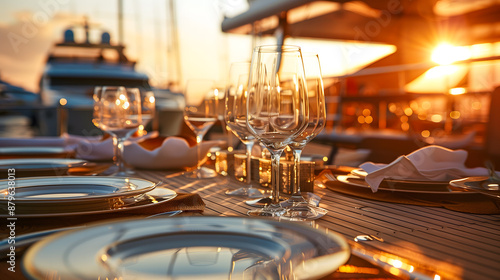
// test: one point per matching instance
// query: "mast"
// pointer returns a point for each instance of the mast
(120, 22)
(173, 55)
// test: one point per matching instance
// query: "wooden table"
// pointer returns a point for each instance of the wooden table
(441, 243)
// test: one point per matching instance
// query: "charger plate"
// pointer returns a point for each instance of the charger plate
(56, 194)
(189, 248)
(156, 196)
(406, 184)
(480, 184)
(31, 167)
(54, 189)
(398, 186)
(40, 151)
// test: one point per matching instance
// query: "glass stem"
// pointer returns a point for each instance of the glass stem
(199, 138)
(118, 144)
(296, 170)
(248, 166)
(275, 177)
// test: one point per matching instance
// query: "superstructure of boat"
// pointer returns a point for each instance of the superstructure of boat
(72, 71)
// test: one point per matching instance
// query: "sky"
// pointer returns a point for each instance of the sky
(29, 28)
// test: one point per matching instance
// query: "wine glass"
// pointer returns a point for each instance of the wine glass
(277, 108)
(235, 117)
(118, 112)
(148, 108)
(200, 115)
(296, 205)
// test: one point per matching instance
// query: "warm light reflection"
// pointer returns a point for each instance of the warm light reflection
(151, 99)
(426, 105)
(457, 91)
(455, 115)
(437, 277)
(63, 101)
(445, 54)
(476, 105)
(392, 107)
(397, 263)
(408, 111)
(366, 112)
(358, 270)
(436, 118)
(229, 149)
(325, 159)
(425, 133)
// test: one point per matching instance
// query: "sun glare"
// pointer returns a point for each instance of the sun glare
(445, 54)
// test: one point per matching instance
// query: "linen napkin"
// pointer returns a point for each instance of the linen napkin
(430, 163)
(172, 153)
(98, 148)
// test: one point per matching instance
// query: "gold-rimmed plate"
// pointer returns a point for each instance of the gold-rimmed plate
(189, 248)
(31, 167)
(405, 184)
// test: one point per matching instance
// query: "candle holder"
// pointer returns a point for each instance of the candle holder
(286, 170)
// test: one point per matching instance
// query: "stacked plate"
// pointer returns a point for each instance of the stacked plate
(30, 167)
(189, 248)
(72, 195)
(357, 178)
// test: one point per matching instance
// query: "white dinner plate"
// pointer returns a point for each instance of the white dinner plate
(39, 163)
(32, 167)
(32, 150)
(157, 195)
(55, 189)
(189, 248)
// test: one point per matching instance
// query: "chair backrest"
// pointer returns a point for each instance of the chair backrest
(492, 141)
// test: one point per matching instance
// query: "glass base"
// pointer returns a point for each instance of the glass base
(272, 210)
(114, 171)
(201, 173)
(293, 200)
(249, 192)
(303, 212)
(260, 202)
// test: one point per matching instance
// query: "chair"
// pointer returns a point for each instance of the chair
(492, 141)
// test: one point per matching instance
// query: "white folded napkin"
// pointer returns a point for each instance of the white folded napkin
(430, 163)
(96, 149)
(174, 153)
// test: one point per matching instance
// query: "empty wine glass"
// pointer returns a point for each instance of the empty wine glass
(235, 114)
(118, 112)
(200, 115)
(148, 109)
(296, 205)
(277, 108)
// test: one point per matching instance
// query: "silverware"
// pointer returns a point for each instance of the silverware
(365, 247)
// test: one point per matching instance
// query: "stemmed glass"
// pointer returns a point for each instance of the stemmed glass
(118, 112)
(277, 108)
(148, 107)
(296, 205)
(235, 113)
(200, 114)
